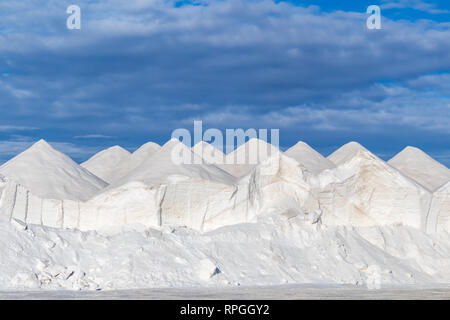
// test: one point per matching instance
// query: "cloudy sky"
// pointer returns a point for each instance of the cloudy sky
(138, 69)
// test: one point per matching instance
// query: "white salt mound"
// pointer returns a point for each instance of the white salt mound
(361, 222)
(105, 163)
(161, 167)
(145, 151)
(51, 174)
(114, 163)
(242, 160)
(365, 191)
(135, 160)
(209, 153)
(346, 152)
(310, 158)
(420, 167)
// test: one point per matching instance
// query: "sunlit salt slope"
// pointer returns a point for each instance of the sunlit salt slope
(419, 166)
(51, 174)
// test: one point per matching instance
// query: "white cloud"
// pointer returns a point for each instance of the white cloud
(414, 4)
(13, 128)
(93, 136)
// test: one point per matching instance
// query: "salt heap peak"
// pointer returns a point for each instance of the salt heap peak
(135, 160)
(146, 150)
(420, 167)
(51, 174)
(241, 161)
(104, 164)
(309, 158)
(346, 152)
(209, 153)
(163, 167)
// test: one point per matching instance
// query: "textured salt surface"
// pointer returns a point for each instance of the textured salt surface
(277, 250)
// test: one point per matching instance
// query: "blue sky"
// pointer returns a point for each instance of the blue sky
(139, 69)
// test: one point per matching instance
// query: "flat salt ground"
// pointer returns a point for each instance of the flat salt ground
(287, 292)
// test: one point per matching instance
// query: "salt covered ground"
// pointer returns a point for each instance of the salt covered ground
(274, 251)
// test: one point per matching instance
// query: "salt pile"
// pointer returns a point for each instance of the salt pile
(287, 218)
(417, 165)
(51, 174)
(105, 163)
(137, 158)
(364, 190)
(242, 160)
(346, 152)
(161, 168)
(209, 153)
(309, 158)
(145, 151)
(115, 162)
